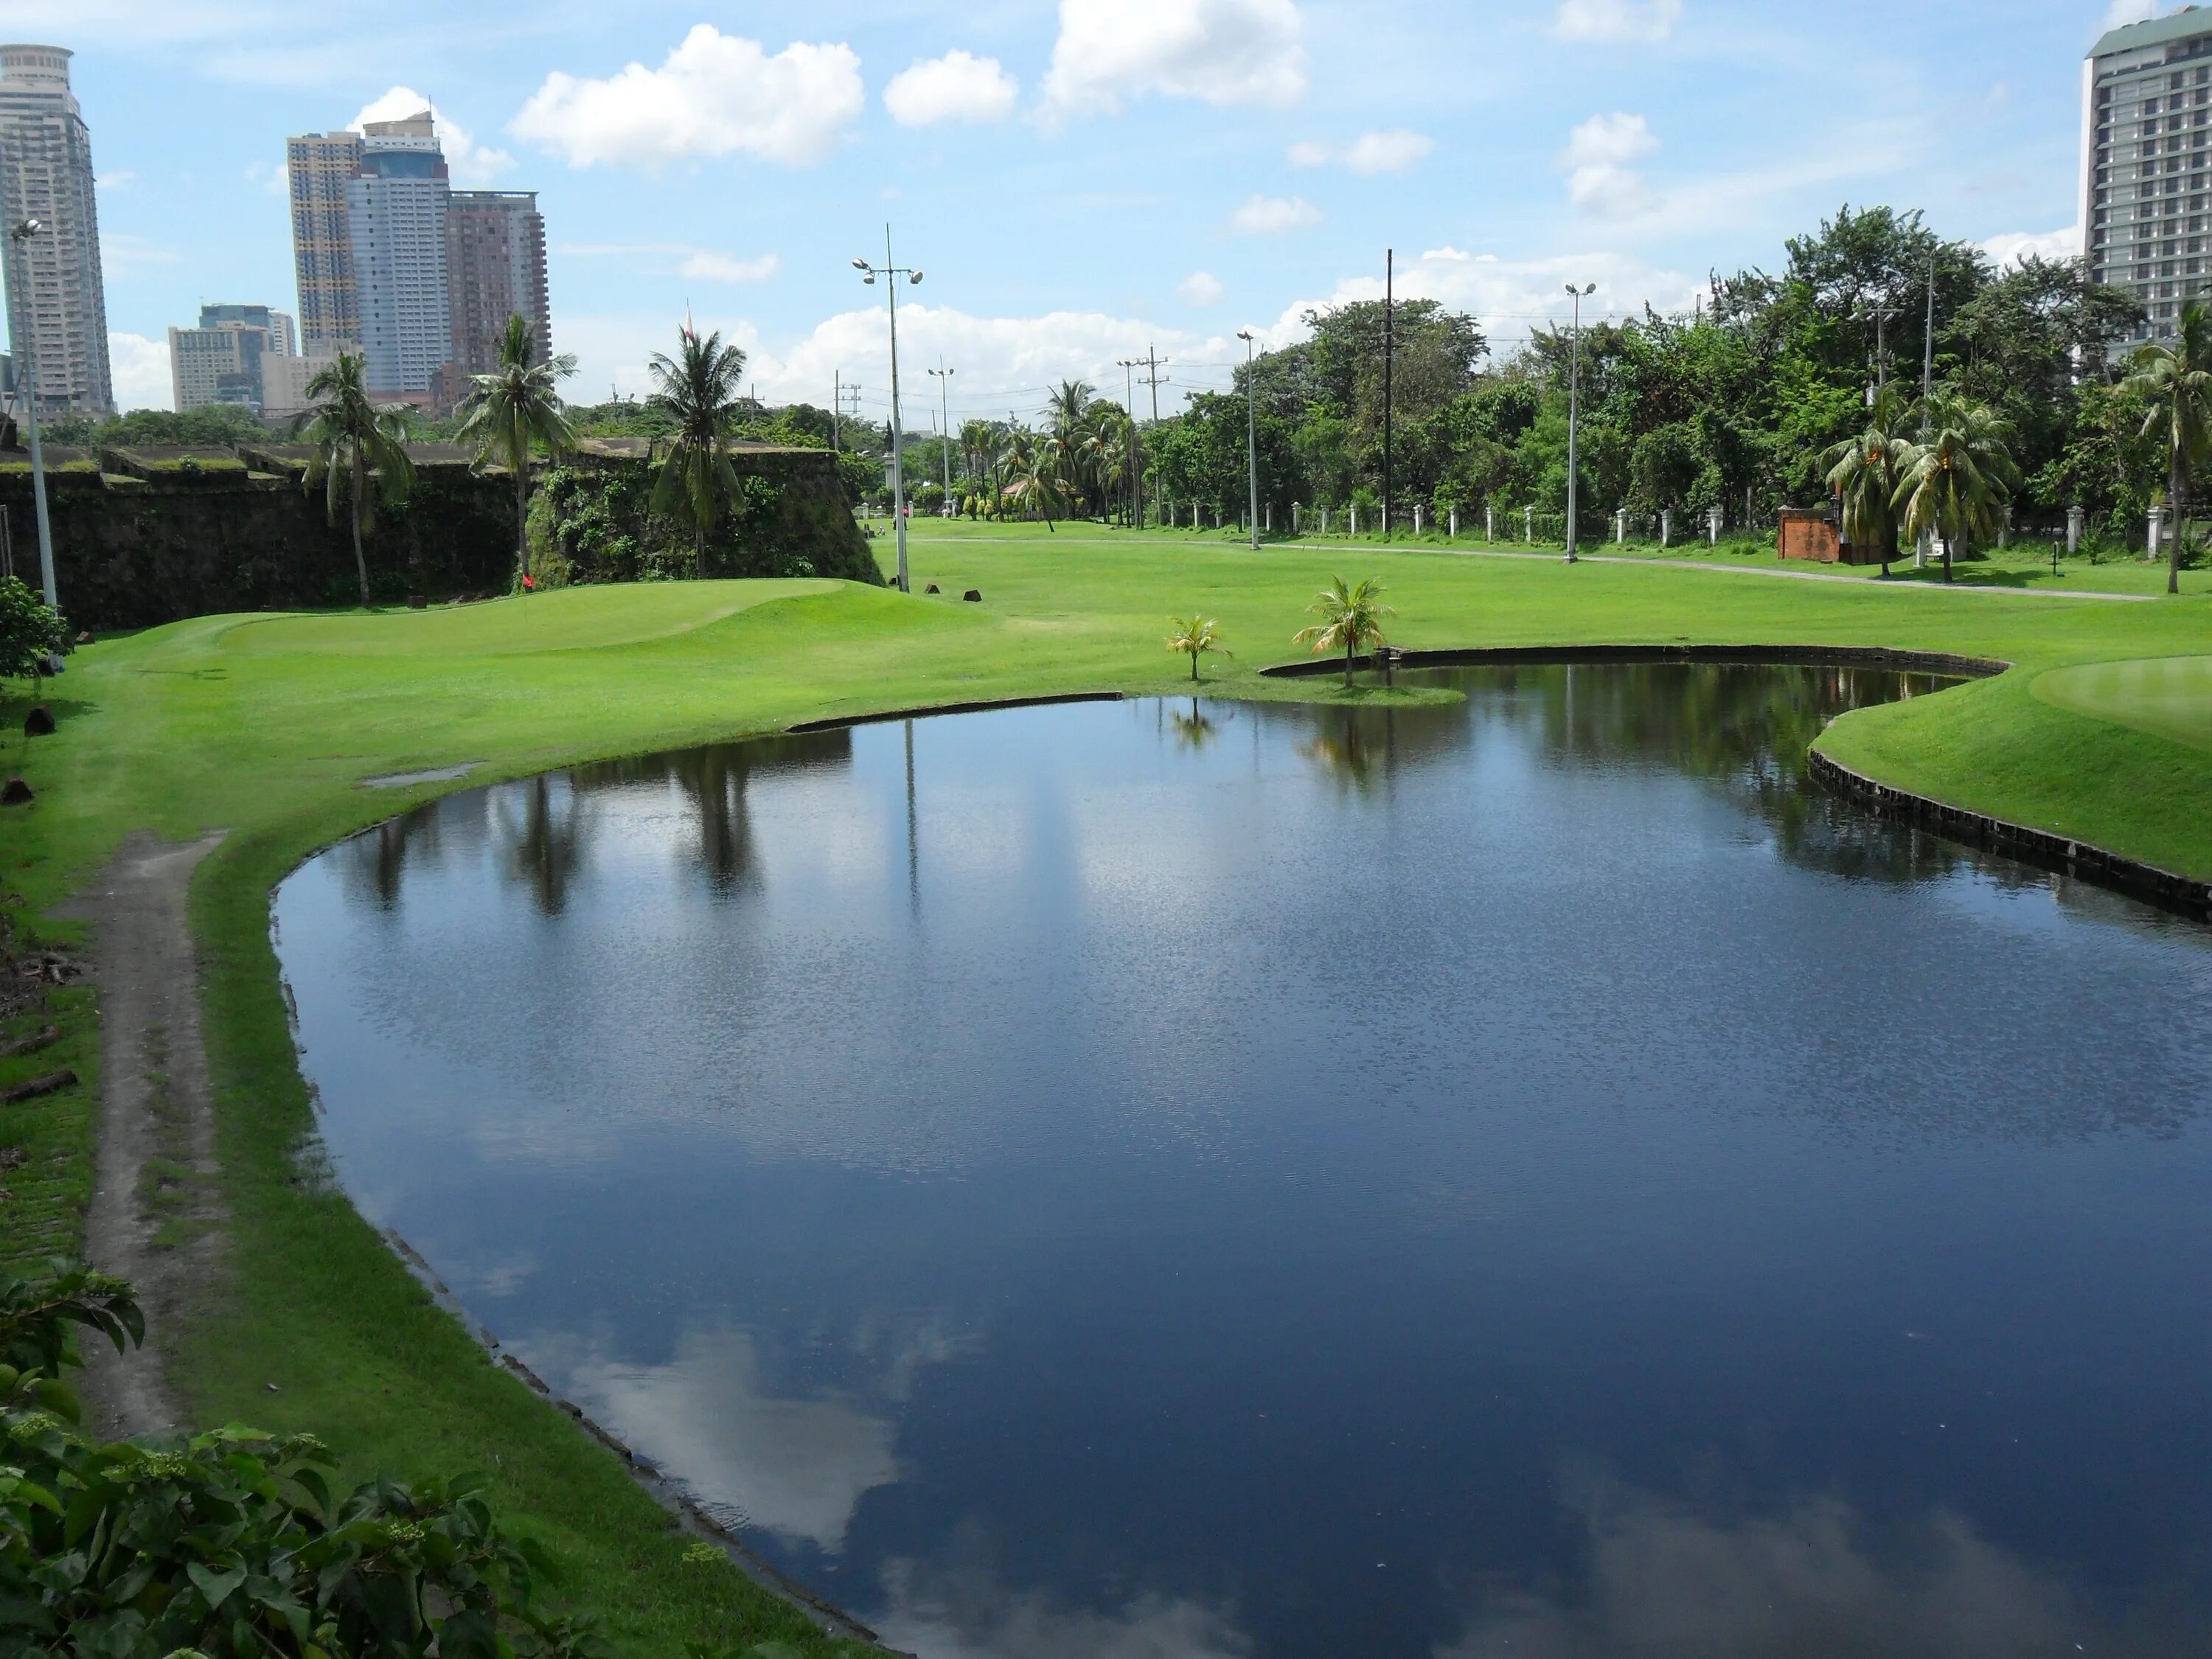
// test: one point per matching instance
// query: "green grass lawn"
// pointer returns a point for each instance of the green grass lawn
(2166, 696)
(265, 726)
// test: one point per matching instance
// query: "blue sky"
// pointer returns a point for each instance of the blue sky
(1079, 179)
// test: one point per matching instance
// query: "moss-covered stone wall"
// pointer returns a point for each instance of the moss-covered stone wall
(144, 537)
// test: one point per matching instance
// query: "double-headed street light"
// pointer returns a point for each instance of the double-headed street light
(892, 273)
(1574, 413)
(27, 357)
(1251, 433)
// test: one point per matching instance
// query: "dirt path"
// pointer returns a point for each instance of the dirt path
(154, 1219)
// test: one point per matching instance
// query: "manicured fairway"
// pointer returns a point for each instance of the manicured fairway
(266, 726)
(2166, 696)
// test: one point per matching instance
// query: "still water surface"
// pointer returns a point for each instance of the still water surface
(1525, 1176)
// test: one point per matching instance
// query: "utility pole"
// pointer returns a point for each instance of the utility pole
(1389, 351)
(26, 353)
(891, 273)
(944, 376)
(1152, 360)
(1252, 430)
(1129, 407)
(1574, 413)
(836, 409)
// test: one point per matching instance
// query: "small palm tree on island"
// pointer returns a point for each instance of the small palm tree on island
(1351, 617)
(355, 443)
(512, 411)
(1955, 481)
(2176, 380)
(1865, 470)
(1194, 638)
(697, 389)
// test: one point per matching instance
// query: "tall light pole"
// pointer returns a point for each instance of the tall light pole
(1136, 512)
(891, 273)
(27, 356)
(1390, 357)
(943, 377)
(1251, 432)
(1574, 416)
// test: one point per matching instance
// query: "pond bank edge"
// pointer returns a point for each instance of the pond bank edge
(2081, 859)
(1805, 656)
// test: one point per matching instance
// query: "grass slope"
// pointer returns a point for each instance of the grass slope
(263, 726)
(2166, 696)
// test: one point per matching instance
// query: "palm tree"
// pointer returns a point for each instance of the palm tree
(354, 440)
(512, 410)
(1957, 478)
(1865, 470)
(698, 389)
(1351, 617)
(2177, 382)
(1194, 638)
(1032, 472)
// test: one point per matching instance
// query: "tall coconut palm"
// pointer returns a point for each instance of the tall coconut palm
(356, 443)
(1351, 617)
(1957, 478)
(1195, 637)
(514, 410)
(1033, 477)
(1865, 470)
(698, 389)
(2177, 382)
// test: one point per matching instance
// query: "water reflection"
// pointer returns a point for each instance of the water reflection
(1181, 1179)
(1811, 1580)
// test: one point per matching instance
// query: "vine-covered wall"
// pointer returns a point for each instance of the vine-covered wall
(146, 536)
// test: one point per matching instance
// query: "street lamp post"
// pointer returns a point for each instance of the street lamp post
(891, 273)
(1251, 432)
(943, 378)
(19, 237)
(1574, 415)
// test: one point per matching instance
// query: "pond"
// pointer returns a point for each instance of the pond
(1526, 1173)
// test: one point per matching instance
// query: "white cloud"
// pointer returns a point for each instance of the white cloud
(714, 94)
(726, 268)
(680, 259)
(1387, 152)
(957, 87)
(1223, 52)
(1616, 21)
(1199, 290)
(140, 370)
(271, 176)
(1596, 162)
(2015, 246)
(1265, 216)
(122, 178)
(470, 163)
(2122, 12)
(124, 256)
(1370, 153)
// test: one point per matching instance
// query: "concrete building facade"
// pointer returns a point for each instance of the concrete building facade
(396, 210)
(57, 302)
(318, 168)
(495, 262)
(227, 359)
(2146, 96)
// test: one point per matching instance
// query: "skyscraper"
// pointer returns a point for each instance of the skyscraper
(2146, 92)
(395, 263)
(56, 305)
(495, 262)
(226, 359)
(320, 166)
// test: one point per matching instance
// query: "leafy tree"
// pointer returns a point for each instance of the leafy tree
(1866, 471)
(2176, 382)
(356, 441)
(514, 410)
(1955, 480)
(1351, 617)
(30, 632)
(1195, 637)
(697, 391)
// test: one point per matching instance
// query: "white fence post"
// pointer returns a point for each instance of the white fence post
(1354, 530)
(1713, 525)
(1417, 517)
(1528, 525)
(1454, 533)
(2074, 516)
(1620, 527)
(1666, 527)
(1490, 523)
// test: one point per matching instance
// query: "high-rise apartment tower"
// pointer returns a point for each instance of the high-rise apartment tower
(319, 166)
(226, 359)
(495, 261)
(56, 304)
(2146, 95)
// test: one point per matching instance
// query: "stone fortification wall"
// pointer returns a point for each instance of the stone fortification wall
(144, 537)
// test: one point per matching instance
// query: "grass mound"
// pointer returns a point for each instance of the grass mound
(566, 619)
(2165, 697)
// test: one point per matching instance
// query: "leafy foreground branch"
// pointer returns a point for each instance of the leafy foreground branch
(231, 1543)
